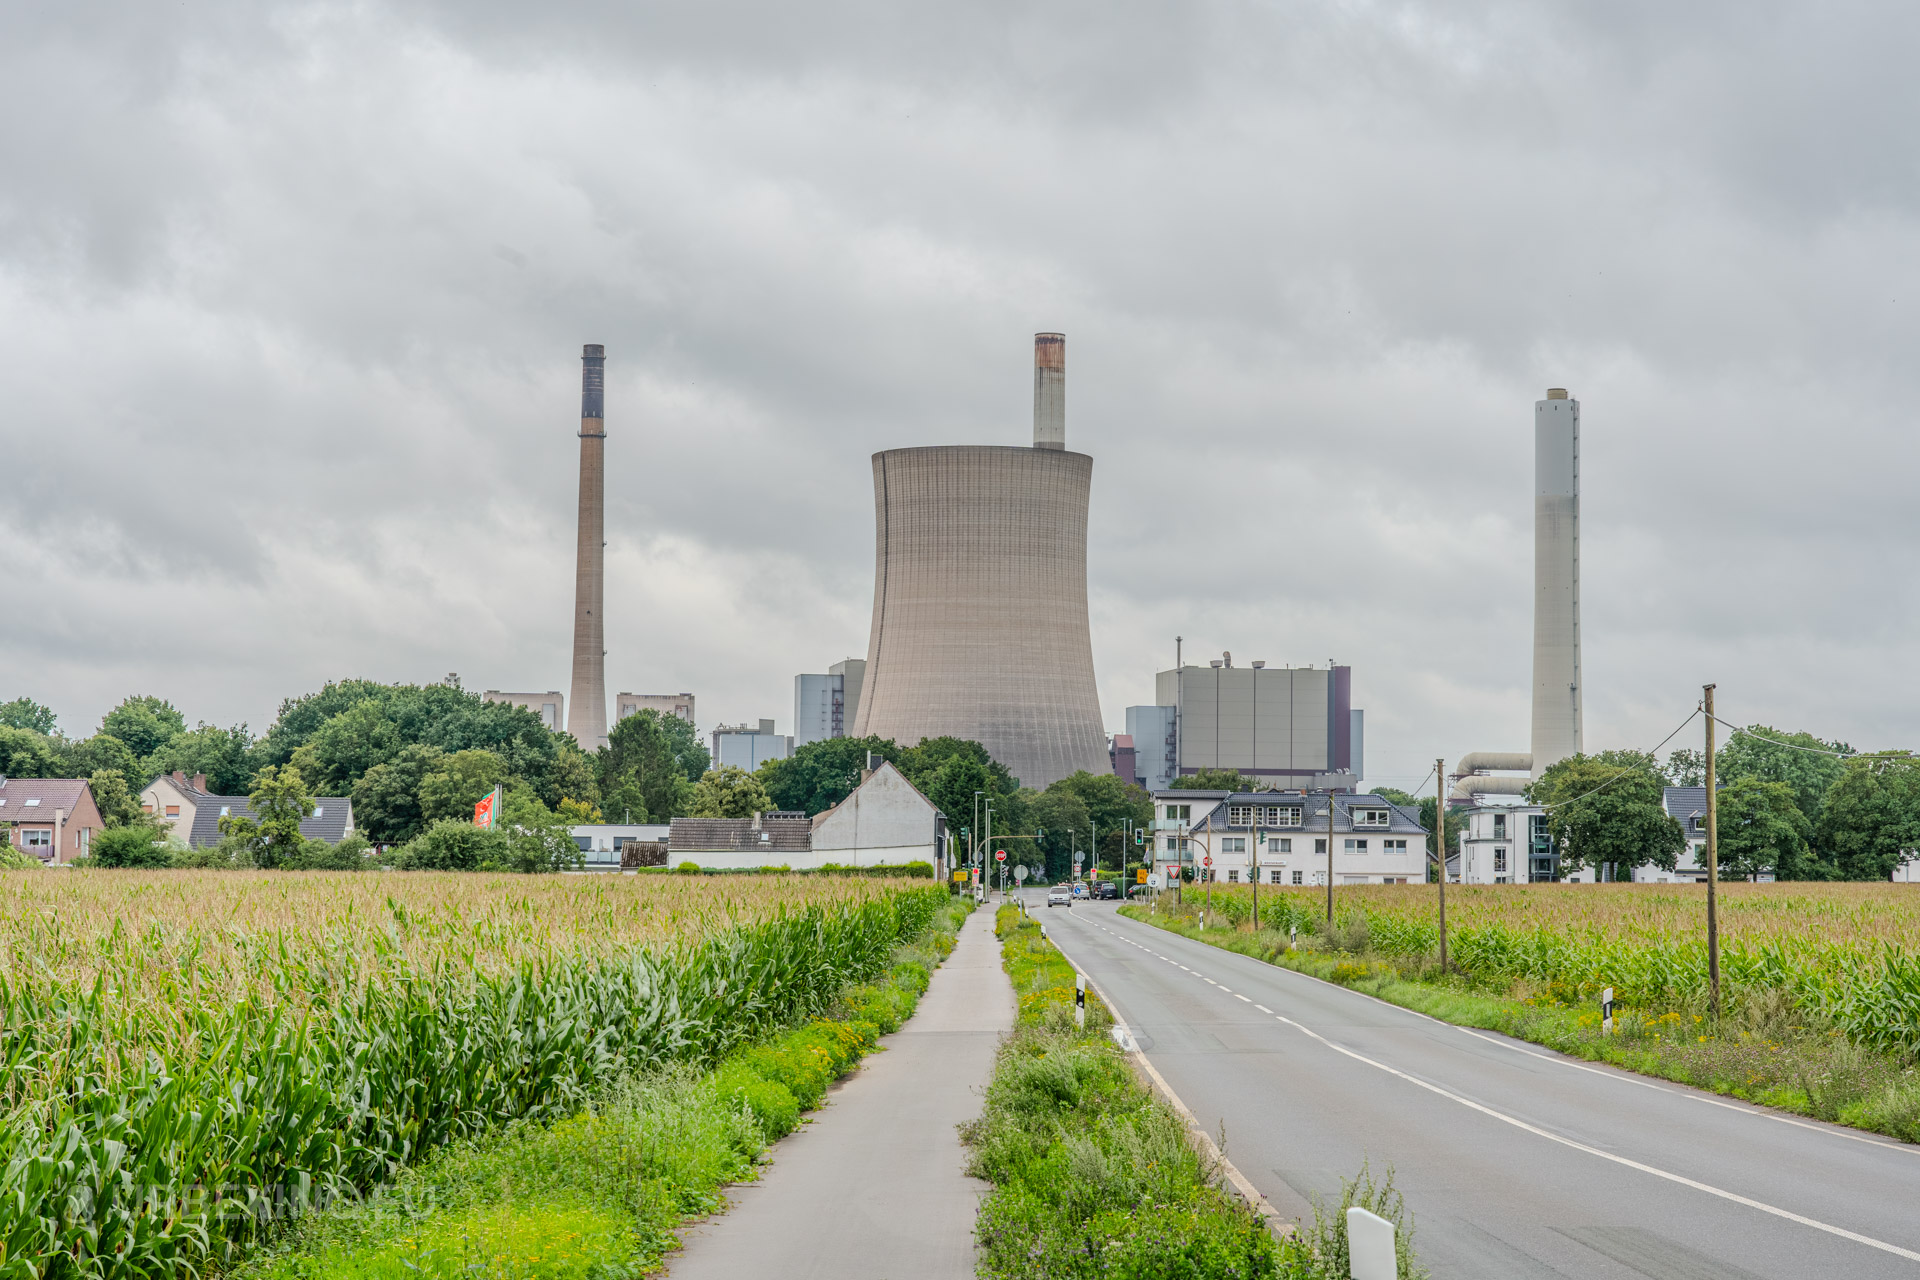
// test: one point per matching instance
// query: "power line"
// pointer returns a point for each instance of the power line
(1818, 751)
(1625, 772)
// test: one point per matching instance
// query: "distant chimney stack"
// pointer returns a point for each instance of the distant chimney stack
(587, 697)
(1049, 391)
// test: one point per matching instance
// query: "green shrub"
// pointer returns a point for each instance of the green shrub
(137, 844)
(453, 844)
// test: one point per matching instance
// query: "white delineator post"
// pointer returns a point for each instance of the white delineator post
(1556, 580)
(1370, 1254)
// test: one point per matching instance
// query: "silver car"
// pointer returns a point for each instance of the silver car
(1059, 896)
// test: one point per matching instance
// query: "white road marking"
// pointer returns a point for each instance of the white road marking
(1684, 1181)
(1238, 996)
(1262, 1008)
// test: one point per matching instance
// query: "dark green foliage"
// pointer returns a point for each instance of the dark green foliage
(25, 713)
(1609, 809)
(140, 844)
(270, 835)
(642, 777)
(224, 755)
(1762, 830)
(1756, 753)
(822, 773)
(144, 724)
(117, 805)
(27, 754)
(1219, 780)
(453, 845)
(386, 799)
(1871, 815)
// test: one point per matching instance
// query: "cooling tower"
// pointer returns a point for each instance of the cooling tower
(1556, 606)
(1556, 579)
(587, 703)
(980, 596)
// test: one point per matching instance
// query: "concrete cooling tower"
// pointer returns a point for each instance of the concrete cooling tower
(1556, 607)
(980, 595)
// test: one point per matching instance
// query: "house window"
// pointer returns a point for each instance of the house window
(1296, 877)
(173, 811)
(31, 801)
(226, 811)
(1233, 844)
(1320, 846)
(1233, 877)
(1356, 846)
(1369, 817)
(1499, 826)
(1280, 844)
(1393, 846)
(145, 808)
(1277, 876)
(1172, 844)
(1499, 860)
(36, 838)
(1282, 815)
(1240, 815)
(1179, 812)
(318, 811)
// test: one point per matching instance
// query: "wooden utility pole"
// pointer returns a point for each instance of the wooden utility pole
(1713, 870)
(1329, 856)
(1440, 841)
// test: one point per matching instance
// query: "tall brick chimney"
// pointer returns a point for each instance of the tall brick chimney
(587, 702)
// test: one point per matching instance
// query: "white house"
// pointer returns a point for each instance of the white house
(886, 822)
(1509, 844)
(1280, 837)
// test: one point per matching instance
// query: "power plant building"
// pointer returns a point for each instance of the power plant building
(667, 704)
(550, 706)
(747, 746)
(1294, 725)
(826, 705)
(1557, 722)
(980, 624)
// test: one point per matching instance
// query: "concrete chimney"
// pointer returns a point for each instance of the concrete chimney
(1557, 720)
(587, 702)
(1049, 391)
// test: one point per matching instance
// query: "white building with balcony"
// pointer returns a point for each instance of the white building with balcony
(1280, 837)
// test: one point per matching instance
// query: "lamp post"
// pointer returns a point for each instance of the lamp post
(1253, 872)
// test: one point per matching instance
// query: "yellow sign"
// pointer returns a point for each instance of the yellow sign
(1140, 876)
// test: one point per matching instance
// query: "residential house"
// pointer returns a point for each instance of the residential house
(52, 819)
(175, 799)
(1280, 837)
(773, 839)
(331, 819)
(886, 822)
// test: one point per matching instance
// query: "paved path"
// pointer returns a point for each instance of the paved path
(874, 1188)
(1516, 1161)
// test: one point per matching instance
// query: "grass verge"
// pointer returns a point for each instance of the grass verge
(1763, 1049)
(1095, 1176)
(598, 1196)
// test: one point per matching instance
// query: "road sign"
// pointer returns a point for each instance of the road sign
(1019, 873)
(999, 855)
(1140, 876)
(1206, 859)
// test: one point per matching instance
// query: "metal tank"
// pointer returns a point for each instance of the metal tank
(980, 595)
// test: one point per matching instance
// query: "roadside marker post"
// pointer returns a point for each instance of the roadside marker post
(1080, 1000)
(1370, 1252)
(1606, 1011)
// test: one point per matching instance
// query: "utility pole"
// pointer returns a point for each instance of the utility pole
(1713, 870)
(1440, 839)
(1329, 855)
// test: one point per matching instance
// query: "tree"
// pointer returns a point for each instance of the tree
(280, 802)
(25, 713)
(1687, 767)
(26, 754)
(1446, 840)
(1601, 813)
(537, 839)
(117, 806)
(1059, 812)
(728, 792)
(822, 773)
(224, 755)
(922, 763)
(138, 844)
(641, 779)
(1757, 752)
(579, 812)
(317, 855)
(342, 750)
(1871, 816)
(1219, 780)
(1110, 802)
(452, 845)
(575, 778)
(102, 751)
(1762, 831)
(1394, 795)
(386, 799)
(684, 740)
(145, 724)
(461, 781)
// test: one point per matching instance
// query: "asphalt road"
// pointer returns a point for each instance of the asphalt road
(1515, 1161)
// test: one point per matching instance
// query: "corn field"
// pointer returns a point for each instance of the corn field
(1849, 953)
(190, 1057)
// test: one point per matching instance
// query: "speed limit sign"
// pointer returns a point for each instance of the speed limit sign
(1000, 855)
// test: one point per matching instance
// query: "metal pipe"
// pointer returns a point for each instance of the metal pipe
(1049, 391)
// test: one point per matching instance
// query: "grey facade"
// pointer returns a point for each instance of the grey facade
(1295, 725)
(826, 705)
(886, 822)
(748, 746)
(550, 706)
(980, 596)
(667, 704)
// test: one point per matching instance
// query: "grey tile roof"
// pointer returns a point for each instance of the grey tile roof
(784, 834)
(1313, 817)
(335, 820)
(52, 793)
(1683, 803)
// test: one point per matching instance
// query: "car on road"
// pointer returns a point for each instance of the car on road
(1079, 889)
(1107, 890)
(1058, 896)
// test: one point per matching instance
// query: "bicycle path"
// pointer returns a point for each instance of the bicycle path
(875, 1188)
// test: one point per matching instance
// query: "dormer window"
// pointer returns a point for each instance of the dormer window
(1369, 817)
(1281, 815)
(1240, 815)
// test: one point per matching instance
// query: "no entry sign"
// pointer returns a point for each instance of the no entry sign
(1000, 855)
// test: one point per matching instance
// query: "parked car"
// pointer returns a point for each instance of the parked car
(1107, 890)
(1079, 888)
(1058, 896)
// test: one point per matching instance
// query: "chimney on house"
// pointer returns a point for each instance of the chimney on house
(200, 782)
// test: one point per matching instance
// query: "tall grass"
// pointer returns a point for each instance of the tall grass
(1847, 954)
(190, 1058)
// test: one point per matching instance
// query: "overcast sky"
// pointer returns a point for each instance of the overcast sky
(292, 299)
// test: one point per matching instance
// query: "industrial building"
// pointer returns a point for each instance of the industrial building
(1295, 725)
(588, 723)
(550, 706)
(667, 704)
(1280, 837)
(980, 595)
(824, 706)
(748, 746)
(1556, 610)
